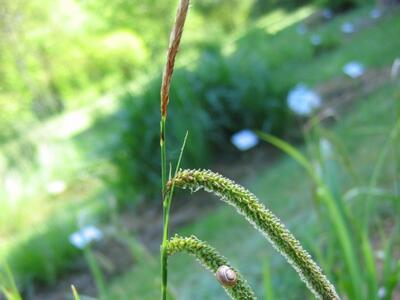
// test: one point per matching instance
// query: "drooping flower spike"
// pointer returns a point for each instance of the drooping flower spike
(265, 221)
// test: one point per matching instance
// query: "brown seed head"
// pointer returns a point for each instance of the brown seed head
(173, 48)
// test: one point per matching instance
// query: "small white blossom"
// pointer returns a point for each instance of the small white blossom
(347, 27)
(325, 147)
(376, 13)
(316, 40)
(381, 292)
(394, 72)
(77, 240)
(85, 236)
(380, 254)
(56, 187)
(92, 233)
(303, 100)
(354, 69)
(244, 139)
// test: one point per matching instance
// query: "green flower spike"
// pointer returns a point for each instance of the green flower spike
(212, 260)
(264, 220)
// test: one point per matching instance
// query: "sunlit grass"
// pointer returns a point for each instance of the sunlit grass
(362, 132)
(272, 23)
(290, 197)
(278, 20)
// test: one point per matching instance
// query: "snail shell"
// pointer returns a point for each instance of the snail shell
(226, 276)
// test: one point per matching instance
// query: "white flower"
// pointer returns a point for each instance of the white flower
(77, 240)
(395, 68)
(315, 40)
(380, 254)
(375, 13)
(56, 187)
(244, 139)
(85, 236)
(381, 292)
(303, 100)
(347, 27)
(354, 69)
(325, 147)
(91, 233)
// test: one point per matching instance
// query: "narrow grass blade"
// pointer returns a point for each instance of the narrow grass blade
(391, 268)
(378, 168)
(288, 149)
(267, 281)
(370, 192)
(336, 216)
(369, 262)
(167, 198)
(8, 285)
(96, 272)
(75, 293)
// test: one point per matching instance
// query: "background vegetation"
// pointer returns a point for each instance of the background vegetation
(79, 92)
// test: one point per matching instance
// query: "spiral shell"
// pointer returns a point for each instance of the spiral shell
(226, 276)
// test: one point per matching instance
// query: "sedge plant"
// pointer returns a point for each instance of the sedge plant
(228, 191)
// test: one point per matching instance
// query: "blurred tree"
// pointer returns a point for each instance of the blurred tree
(54, 50)
(150, 18)
(19, 20)
(220, 12)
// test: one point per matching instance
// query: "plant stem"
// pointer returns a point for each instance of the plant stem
(164, 257)
(174, 43)
(96, 272)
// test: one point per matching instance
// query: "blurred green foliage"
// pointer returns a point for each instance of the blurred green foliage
(234, 73)
(58, 55)
(218, 96)
(339, 5)
(226, 89)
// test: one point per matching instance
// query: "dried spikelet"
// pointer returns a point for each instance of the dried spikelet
(173, 48)
(264, 220)
(212, 260)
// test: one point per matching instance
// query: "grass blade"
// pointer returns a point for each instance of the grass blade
(75, 293)
(8, 285)
(267, 281)
(336, 216)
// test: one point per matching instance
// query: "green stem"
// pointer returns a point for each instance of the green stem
(175, 40)
(166, 205)
(96, 272)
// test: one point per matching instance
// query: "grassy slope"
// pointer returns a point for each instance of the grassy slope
(285, 188)
(326, 66)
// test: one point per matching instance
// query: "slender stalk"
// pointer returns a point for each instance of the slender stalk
(167, 206)
(164, 261)
(96, 272)
(173, 48)
(8, 285)
(75, 293)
